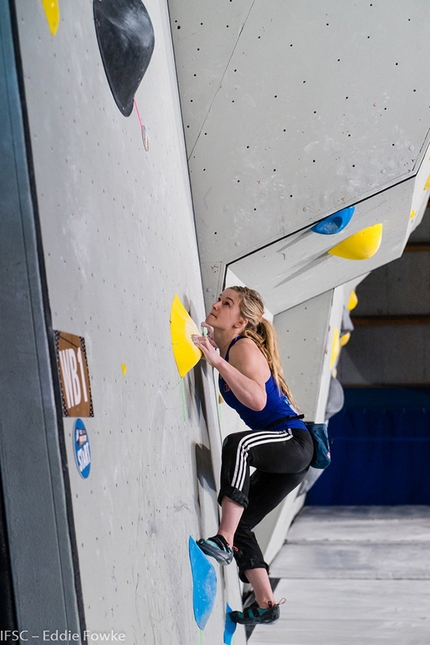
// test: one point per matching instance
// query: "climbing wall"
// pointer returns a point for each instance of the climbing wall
(306, 141)
(117, 228)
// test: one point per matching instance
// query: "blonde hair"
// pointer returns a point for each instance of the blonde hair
(263, 333)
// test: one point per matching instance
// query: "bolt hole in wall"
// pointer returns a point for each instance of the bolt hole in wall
(381, 438)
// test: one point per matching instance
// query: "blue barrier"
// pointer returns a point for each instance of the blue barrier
(380, 451)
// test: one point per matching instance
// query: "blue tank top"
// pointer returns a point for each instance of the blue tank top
(277, 405)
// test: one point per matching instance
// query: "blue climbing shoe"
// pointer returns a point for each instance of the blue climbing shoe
(217, 547)
(255, 615)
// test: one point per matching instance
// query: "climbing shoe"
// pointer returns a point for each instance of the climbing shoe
(217, 547)
(255, 615)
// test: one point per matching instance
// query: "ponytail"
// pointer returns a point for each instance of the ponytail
(263, 333)
(265, 337)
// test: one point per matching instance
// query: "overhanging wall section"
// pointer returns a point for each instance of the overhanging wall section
(293, 111)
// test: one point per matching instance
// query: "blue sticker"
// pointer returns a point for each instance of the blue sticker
(82, 448)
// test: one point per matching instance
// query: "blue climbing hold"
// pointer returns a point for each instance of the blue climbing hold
(204, 584)
(230, 626)
(335, 222)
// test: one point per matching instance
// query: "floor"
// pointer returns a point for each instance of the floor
(353, 575)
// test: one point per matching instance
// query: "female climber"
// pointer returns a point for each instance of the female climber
(242, 346)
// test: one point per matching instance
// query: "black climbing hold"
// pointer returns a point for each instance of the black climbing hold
(125, 36)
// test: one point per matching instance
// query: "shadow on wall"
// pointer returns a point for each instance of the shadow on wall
(205, 473)
(199, 372)
(206, 487)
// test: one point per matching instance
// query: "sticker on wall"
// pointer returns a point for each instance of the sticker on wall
(125, 36)
(74, 375)
(82, 448)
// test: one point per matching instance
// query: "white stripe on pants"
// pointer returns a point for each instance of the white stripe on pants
(251, 441)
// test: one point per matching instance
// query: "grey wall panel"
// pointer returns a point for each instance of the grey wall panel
(303, 354)
(119, 242)
(205, 36)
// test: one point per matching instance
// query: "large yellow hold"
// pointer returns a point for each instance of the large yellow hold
(182, 327)
(360, 246)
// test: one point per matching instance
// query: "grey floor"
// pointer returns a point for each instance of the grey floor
(353, 575)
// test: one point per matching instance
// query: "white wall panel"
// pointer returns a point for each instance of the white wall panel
(298, 267)
(294, 110)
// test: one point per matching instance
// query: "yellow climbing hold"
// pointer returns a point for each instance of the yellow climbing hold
(345, 338)
(52, 13)
(412, 215)
(182, 327)
(124, 369)
(361, 245)
(353, 301)
(427, 186)
(335, 347)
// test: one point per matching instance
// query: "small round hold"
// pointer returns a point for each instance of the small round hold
(237, 243)
(208, 290)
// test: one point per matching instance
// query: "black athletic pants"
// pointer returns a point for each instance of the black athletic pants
(281, 459)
